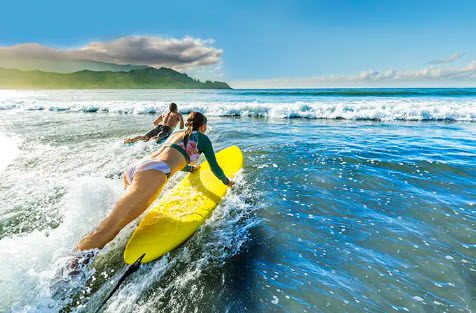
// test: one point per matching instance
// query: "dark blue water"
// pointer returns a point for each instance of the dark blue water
(361, 92)
(328, 215)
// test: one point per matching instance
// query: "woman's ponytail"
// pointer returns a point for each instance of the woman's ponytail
(188, 132)
(194, 121)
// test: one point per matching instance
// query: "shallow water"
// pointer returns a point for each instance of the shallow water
(329, 215)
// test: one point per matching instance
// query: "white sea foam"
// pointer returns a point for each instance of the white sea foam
(29, 261)
(384, 109)
(221, 237)
(9, 151)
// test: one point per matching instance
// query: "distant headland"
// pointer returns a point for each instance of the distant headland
(145, 78)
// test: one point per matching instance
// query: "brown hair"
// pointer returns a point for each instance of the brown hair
(194, 121)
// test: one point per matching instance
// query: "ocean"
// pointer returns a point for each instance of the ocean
(351, 200)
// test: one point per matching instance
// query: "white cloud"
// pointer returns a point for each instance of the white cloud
(455, 56)
(181, 54)
(428, 76)
(211, 72)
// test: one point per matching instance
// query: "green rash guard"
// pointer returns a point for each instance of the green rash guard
(196, 144)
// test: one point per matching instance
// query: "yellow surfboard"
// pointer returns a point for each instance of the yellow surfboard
(181, 211)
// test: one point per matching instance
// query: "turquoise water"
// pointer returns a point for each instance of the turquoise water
(350, 201)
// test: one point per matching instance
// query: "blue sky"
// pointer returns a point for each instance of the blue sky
(272, 43)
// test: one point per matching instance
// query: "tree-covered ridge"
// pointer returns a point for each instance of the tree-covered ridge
(148, 78)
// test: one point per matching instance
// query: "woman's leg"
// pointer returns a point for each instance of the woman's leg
(126, 182)
(143, 190)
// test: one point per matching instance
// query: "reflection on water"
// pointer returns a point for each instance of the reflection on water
(331, 216)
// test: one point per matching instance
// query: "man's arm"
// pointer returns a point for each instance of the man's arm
(158, 120)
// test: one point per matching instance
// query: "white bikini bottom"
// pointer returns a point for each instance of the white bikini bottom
(145, 166)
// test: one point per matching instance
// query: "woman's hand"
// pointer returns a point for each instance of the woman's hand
(230, 183)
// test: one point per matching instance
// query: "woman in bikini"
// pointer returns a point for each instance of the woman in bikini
(165, 124)
(144, 181)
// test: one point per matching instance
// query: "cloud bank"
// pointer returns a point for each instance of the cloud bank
(428, 76)
(180, 54)
(454, 57)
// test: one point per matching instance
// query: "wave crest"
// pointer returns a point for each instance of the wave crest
(280, 107)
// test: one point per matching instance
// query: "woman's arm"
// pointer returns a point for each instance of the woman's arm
(190, 168)
(205, 145)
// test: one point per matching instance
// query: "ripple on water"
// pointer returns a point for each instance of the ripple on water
(330, 216)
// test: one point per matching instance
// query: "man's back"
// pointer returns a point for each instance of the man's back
(171, 119)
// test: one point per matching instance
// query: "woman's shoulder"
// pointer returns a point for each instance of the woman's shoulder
(202, 137)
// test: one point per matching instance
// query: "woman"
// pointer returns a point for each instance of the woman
(144, 181)
(165, 124)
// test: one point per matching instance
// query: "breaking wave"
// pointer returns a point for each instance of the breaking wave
(360, 109)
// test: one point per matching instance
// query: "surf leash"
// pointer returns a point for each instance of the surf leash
(131, 269)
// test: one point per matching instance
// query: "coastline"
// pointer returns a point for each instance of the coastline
(147, 78)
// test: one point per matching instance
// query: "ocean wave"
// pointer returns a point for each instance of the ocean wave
(363, 92)
(26, 272)
(9, 153)
(376, 110)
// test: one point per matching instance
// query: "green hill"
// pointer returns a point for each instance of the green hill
(64, 65)
(148, 78)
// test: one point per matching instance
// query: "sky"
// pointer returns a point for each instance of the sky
(256, 44)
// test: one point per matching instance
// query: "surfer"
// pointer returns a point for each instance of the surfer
(144, 181)
(165, 124)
